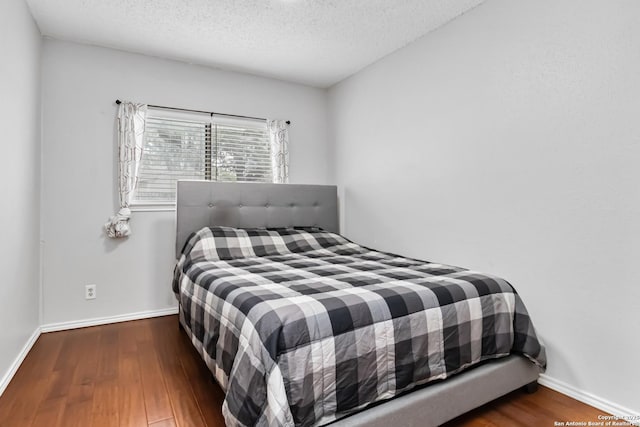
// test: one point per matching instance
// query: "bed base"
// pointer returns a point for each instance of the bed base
(531, 388)
(437, 403)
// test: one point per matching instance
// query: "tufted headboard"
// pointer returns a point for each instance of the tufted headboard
(244, 205)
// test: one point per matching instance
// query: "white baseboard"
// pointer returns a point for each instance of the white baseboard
(6, 379)
(74, 324)
(590, 399)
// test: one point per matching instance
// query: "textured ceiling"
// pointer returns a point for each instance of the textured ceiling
(316, 42)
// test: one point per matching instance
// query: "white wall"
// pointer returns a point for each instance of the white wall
(80, 85)
(508, 141)
(20, 48)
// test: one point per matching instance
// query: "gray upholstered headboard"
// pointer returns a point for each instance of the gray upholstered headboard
(244, 205)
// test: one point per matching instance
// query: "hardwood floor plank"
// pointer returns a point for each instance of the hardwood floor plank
(147, 373)
(106, 404)
(109, 355)
(131, 407)
(105, 410)
(59, 384)
(169, 422)
(79, 402)
(186, 409)
(156, 398)
(49, 413)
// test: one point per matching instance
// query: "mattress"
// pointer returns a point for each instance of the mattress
(302, 327)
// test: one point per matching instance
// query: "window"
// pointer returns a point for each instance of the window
(188, 146)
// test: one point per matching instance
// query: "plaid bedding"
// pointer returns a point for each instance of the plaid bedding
(301, 327)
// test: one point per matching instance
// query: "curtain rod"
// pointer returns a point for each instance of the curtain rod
(205, 112)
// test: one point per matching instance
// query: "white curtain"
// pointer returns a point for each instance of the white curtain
(131, 121)
(279, 139)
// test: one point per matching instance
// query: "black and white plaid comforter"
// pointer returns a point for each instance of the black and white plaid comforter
(303, 327)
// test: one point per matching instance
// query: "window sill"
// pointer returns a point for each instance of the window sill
(155, 207)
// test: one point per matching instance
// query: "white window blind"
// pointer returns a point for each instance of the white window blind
(242, 154)
(206, 149)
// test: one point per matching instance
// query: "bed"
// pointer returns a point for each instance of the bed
(301, 326)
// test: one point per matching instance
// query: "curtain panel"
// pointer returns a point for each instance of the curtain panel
(131, 123)
(279, 140)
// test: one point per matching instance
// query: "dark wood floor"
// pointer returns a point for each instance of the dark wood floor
(145, 373)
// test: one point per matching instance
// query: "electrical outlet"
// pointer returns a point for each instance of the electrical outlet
(90, 291)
